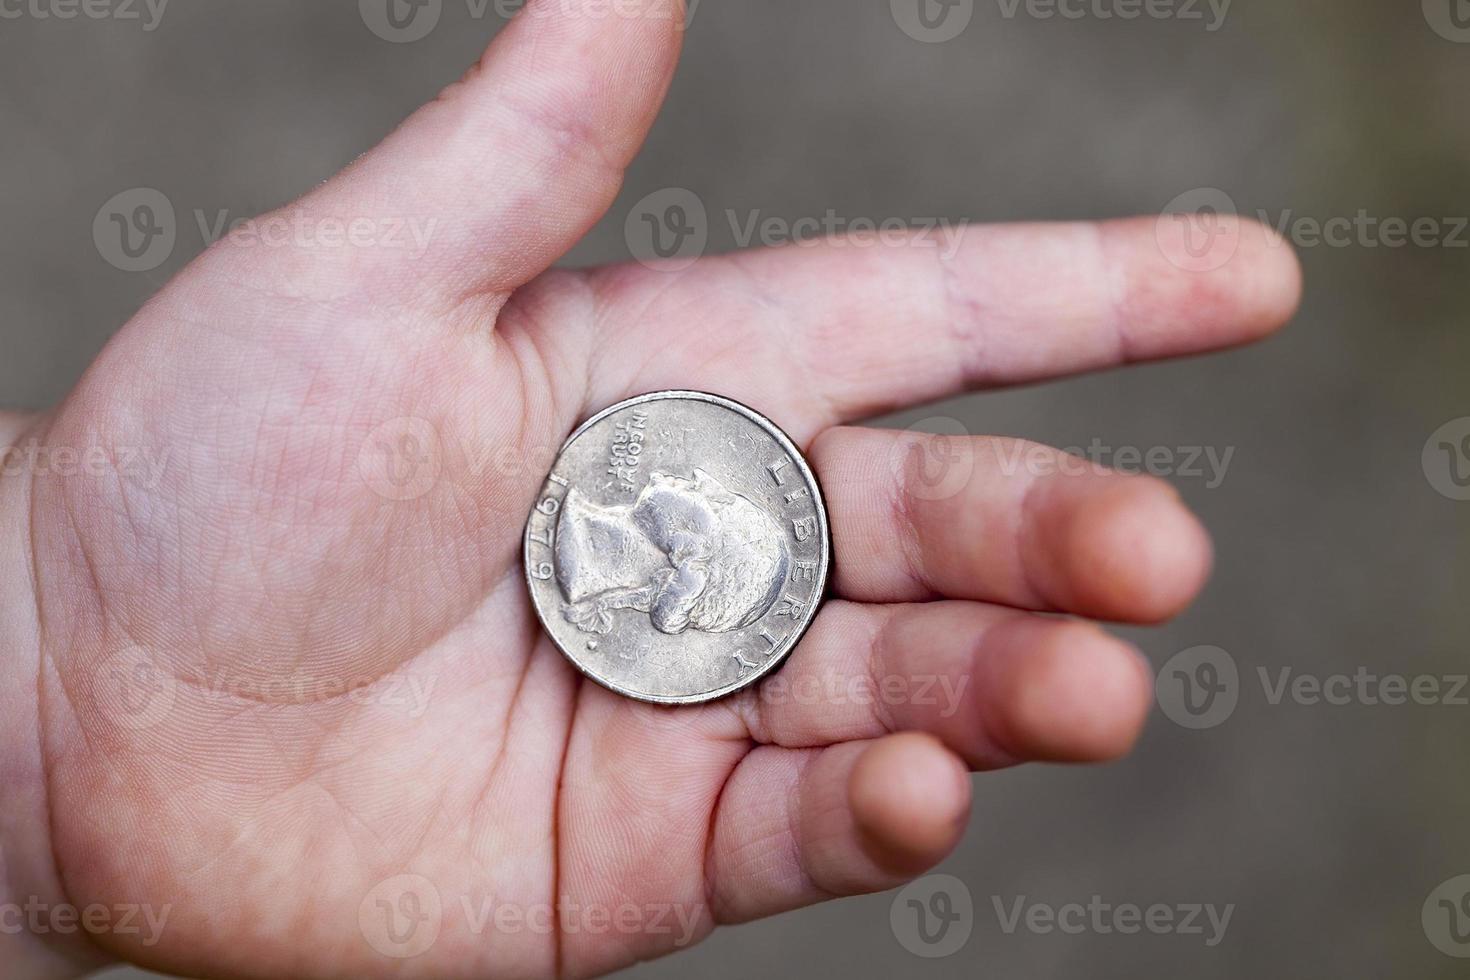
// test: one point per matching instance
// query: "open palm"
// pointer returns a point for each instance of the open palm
(292, 688)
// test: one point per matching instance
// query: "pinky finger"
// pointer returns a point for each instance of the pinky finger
(800, 826)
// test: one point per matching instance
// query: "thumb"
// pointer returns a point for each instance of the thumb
(503, 173)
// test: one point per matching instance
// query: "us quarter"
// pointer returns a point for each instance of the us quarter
(679, 549)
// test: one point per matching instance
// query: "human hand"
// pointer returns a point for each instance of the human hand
(280, 558)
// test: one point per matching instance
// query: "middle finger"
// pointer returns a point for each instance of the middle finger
(918, 517)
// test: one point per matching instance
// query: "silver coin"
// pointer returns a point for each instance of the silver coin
(679, 549)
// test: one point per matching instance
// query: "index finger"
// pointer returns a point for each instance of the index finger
(841, 330)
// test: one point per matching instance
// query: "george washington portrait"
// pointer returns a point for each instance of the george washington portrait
(689, 553)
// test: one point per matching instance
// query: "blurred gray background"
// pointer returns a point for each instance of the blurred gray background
(1326, 827)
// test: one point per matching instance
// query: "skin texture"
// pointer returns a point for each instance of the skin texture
(265, 816)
